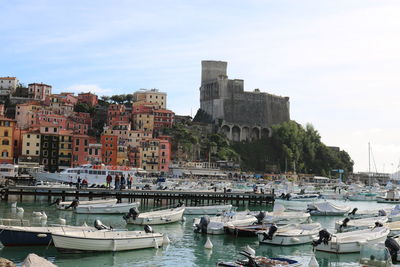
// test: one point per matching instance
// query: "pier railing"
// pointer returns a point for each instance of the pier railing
(157, 197)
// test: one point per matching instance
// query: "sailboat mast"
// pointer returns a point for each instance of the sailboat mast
(369, 163)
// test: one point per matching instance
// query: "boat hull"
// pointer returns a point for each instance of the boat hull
(21, 238)
(283, 240)
(207, 210)
(152, 218)
(106, 209)
(64, 204)
(73, 244)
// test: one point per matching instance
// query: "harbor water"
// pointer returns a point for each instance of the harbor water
(186, 247)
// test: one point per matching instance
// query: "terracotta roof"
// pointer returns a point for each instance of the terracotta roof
(2, 118)
(40, 84)
(8, 78)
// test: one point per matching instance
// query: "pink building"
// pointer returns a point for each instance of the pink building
(88, 98)
(80, 149)
(163, 118)
(164, 155)
(39, 91)
(117, 114)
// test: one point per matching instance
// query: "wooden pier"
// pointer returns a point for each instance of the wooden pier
(155, 197)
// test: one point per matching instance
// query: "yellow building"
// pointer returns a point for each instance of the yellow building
(149, 155)
(151, 96)
(65, 149)
(7, 127)
(143, 121)
(31, 144)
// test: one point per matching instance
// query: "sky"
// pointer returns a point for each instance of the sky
(338, 61)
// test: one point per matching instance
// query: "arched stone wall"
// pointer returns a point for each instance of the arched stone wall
(255, 133)
(236, 133)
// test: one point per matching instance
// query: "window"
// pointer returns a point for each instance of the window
(28, 144)
(55, 130)
(27, 152)
(37, 144)
(5, 142)
(46, 129)
(5, 133)
(37, 152)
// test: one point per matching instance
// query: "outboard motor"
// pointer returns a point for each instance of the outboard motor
(272, 230)
(133, 212)
(100, 226)
(58, 201)
(288, 195)
(148, 229)
(180, 204)
(201, 227)
(353, 212)
(344, 223)
(260, 216)
(73, 204)
(382, 213)
(393, 248)
(282, 196)
(378, 224)
(324, 237)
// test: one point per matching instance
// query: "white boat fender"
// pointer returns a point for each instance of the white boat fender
(208, 244)
(44, 216)
(155, 243)
(183, 219)
(249, 250)
(313, 261)
(20, 210)
(14, 205)
(62, 221)
(166, 240)
(42, 235)
(295, 239)
(37, 213)
(44, 222)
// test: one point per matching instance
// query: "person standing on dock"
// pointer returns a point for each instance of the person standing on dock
(78, 184)
(130, 180)
(109, 180)
(117, 182)
(123, 182)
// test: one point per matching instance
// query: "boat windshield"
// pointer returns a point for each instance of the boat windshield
(374, 255)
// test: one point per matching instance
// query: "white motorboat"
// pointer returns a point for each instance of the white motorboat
(163, 216)
(68, 205)
(207, 210)
(303, 197)
(362, 196)
(391, 196)
(117, 208)
(347, 224)
(349, 242)
(215, 225)
(83, 241)
(327, 208)
(394, 214)
(292, 234)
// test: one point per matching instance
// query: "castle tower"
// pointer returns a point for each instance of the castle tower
(211, 70)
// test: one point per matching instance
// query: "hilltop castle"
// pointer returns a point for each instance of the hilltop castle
(239, 114)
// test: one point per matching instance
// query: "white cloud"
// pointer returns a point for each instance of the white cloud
(92, 88)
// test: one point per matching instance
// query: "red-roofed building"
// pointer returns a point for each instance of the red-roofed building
(163, 118)
(39, 91)
(117, 114)
(88, 98)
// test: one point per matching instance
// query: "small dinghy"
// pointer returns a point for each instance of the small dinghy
(93, 241)
(281, 217)
(69, 205)
(117, 208)
(154, 217)
(259, 261)
(216, 225)
(327, 208)
(347, 224)
(303, 197)
(349, 242)
(32, 235)
(207, 210)
(292, 234)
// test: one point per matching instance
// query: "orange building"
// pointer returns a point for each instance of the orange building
(109, 149)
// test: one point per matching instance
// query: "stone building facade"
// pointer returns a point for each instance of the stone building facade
(241, 115)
